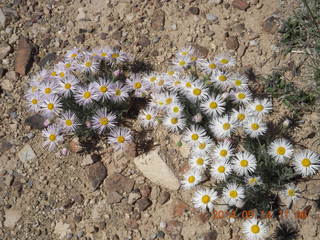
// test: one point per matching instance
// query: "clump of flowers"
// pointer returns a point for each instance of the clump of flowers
(213, 107)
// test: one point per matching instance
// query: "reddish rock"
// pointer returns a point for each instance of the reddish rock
(75, 146)
(174, 228)
(240, 4)
(23, 59)
(204, 217)
(158, 20)
(118, 183)
(179, 208)
(96, 173)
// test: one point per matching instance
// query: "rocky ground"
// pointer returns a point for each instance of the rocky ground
(101, 194)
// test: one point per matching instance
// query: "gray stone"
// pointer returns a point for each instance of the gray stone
(118, 183)
(5, 49)
(96, 173)
(113, 197)
(270, 25)
(210, 235)
(7, 85)
(194, 10)
(212, 18)
(50, 57)
(143, 204)
(232, 43)
(26, 154)
(35, 121)
(5, 145)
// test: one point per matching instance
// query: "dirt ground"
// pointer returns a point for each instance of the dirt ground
(45, 195)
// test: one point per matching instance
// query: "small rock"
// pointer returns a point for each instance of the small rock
(133, 197)
(50, 57)
(179, 208)
(80, 38)
(7, 85)
(103, 36)
(174, 228)
(158, 20)
(77, 218)
(143, 204)
(194, 10)
(118, 183)
(11, 75)
(12, 216)
(2, 19)
(78, 198)
(164, 197)
(68, 203)
(145, 190)
(202, 52)
(117, 35)
(156, 170)
(62, 229)
(232, 43)
(113, 197)
(5, 145)
(23, 59)
(96, 173)
(35, 122)
(26, 154)
(160, 234)
(87, 160)
(212, 18)
(240, 4)
(102, 225)
(144, 42)
(5, 49)
(270, 25)
(82, 15)
(75, 146)
(213, 235)
(8, 180)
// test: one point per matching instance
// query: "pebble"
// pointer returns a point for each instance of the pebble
(194, 10)
(35, 121)
(133, 197)
(7, 85)
(212, 18)
(118, 183)
(232, 43)
(240, 4)
(113, 197)
(270, 25)
(5, 145)
(12, 216)
(158, 20)
(96, 173)
(5, 49)
(164, 197)
(143, 204)
(23, 59)
(2, 19)
(26, 154)
(174, 228)
(212, 235)
(50, 57)
(145, 190)
(143, 41)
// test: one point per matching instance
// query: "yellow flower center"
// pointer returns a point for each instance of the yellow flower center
(255, 126)
(115, 55)
(120, 139)
(194, 137)
(174, 120)
(255, 229)
(34, 101)
(194, 58)
(202, 145)
(67, 86)
(188, 85)
(221, 169)
(291, 193)
(191, 179)
(184, 53)
(233, 194)
(50, 106)
(182, 63)
(68, 122)
(53, 74)
(176, 83)
(148, 117)
(200, 161)
(205, 199)
(103, 121)
(61, 74)
(73, 55)
(224, 61)
(252, 180)
(213, 105)
(222, 78)
(223, 153)
(243, 163)
(88, 64)
(118, 92)
(103, 54)
(86, 95)
(152, 79)
(168, 101)
(34, 89)
(52, 137)
(176, 109)
(137, 85)
(170, 73)
(306, 162)
(212, 66)
(241, 116)
(103, 89)
(237, 82)
(281, 151)
(68, 65)
(259, 108)
(47, 90)
(226, 126)
(197, 91)
(241, 96)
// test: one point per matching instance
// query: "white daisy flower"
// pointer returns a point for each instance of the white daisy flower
(88, 65)
(213, 106)
(85, 95)
(175, 108)
(120, 138)
(74, 54)
(254, 229)
(252, 181)
(67, 85)
(223, 127)
(186, 51)
(207, 66)
(181, 62)
(95, 53)
(240, 115)
(191, 179)
(199, 162)
(306, 163)
(242, 96)
(40, 76)
(254, 127)
(198, 92)
(69, 65)
(174, 123)
(220, 170)
(148, 117)
(221, 79)
(151, 79)
(103, 120)
(203, 146)
(223, 151)
(176, 84)
(52, 136)
(187, 84)
(233, 195)
(204, 199)
(280, 149)
(117, 56)
(61, 71)
(162, 83)
(225, 60)
(104, 52)
(34, 101)
(103, 89)
(48, 88)
(69, 121)
(239, 81)
(169, 98)
(244, 163)
(172, 73)
(120, 92)
(51, 106)
(290, 194)
(193, 134)
(260, 107)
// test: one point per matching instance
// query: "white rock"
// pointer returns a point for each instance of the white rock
(12, 216)
(133, 197)
(7, 85)
(211, 17)
(26, 154)
(62, 229)
(82, 15)
(4, 50)
(2, 18)
(156, 170)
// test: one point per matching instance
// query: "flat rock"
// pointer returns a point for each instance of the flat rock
(158, 20)
(26, 154)
(240, 4)
(50, 57)
(143, 203)
(203, 52)
(5, 145)
(213, 235)
(118, 183)
(113, 197)
(270, 25)
(96, 173)
(62, 229)
(35, 121)
(164, 197)
(156, 170)
(2, 19)
(5, 49)
(232, 43)
(174, 228)
(23, 59)
(12, 216)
